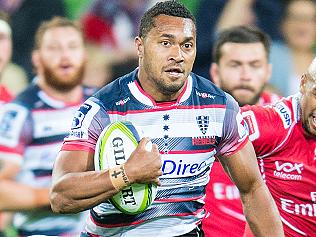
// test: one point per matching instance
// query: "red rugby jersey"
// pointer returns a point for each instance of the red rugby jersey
(287, 162)
(222, 201)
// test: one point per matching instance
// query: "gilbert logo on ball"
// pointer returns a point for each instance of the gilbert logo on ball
(114, 146)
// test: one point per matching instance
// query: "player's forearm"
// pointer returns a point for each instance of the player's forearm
(75, 192)
(261, 212)
(19, 197)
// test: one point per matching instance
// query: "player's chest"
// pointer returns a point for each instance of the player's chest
(180, 129)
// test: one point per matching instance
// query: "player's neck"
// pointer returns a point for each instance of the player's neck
(72, 96)
(148, 86)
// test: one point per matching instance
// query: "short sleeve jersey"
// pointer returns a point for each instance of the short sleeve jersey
(189, 132)
(287, 161)
(32, 130)
(225, 217)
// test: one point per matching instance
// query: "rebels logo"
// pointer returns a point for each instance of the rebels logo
(288, 170)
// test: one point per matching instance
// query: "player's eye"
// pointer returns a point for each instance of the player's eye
(166, 43)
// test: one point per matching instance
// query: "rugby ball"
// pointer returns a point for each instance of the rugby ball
(114, 146)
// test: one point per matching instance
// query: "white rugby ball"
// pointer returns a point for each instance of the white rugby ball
(114, 146)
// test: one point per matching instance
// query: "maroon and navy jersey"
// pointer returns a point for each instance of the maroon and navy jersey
(222, 200)
(189, 132)
(287, 162)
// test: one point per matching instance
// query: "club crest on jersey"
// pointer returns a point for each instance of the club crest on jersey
(79, 116)
(203, 122)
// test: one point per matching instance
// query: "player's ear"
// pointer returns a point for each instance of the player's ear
(214, 74)
(269, 72)
(140, 46)
(36, 61)
(303, 83)
(35, 58)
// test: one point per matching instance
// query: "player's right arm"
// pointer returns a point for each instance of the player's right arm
(76, 186)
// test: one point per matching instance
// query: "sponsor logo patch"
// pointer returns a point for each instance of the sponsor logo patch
(251, 125)
(205, 95)
(201, 141)
(80, 115)
(7, 123)
(288, 170)
(284, 113)
(122, 102)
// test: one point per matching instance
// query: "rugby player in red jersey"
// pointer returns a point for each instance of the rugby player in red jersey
(241, 67)
(284, 138)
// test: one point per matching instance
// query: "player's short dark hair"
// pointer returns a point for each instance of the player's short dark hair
(169, 8)
(243, 35)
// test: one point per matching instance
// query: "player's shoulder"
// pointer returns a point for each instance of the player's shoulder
(278, 117)
(21, 105)
(28, 97)
(205, 88)
(115, 90)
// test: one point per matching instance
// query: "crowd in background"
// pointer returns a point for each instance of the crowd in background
(109, 28)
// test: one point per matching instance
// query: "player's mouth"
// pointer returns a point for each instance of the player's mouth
(175, 72)
(66, 68)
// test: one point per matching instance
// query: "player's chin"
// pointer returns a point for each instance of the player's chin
(176, 76)
(244, 99)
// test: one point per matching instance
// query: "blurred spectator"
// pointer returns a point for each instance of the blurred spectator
(12, 77)
(293, 55)
(33, 126)
(216, 15)
(25, 16)
(5, 55)
(113, 24)
(110, 27)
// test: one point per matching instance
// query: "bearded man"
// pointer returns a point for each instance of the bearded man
(33, 127)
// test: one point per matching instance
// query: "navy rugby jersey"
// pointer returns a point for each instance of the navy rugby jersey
(32, 130)
(202, 123)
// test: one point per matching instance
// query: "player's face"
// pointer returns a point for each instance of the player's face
(243, 71)
(62, 58)
(5, 49)
(166, 56)
(308, 104)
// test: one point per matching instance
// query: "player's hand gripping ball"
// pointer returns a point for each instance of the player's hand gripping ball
(114, 146)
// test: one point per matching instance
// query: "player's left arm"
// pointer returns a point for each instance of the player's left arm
(259, 207)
